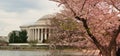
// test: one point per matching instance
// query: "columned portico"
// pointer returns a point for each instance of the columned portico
(38, 34)
(39, 31)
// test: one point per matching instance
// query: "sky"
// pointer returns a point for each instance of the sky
(14, 13)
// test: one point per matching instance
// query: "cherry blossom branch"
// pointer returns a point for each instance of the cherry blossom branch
(95, 41)
(84, 21)
(113, 40)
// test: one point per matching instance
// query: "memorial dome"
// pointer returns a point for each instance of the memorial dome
(45, 20)
(40, 30)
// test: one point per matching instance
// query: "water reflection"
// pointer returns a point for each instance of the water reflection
(24, 53)
(61, 53)
(34, 53)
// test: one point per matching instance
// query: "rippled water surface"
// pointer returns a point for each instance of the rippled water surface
(31, 53)
(23, 53)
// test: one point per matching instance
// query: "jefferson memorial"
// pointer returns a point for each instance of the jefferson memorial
(40, 30)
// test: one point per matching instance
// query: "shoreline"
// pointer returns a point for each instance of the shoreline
(32, 48)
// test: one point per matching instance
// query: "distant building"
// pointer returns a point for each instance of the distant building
(40, 30)
(4, 38)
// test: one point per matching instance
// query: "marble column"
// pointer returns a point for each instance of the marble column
(30, 35)
(41, 35)
(45, 33)
(50, 32)
(38, 33)
(35, 34)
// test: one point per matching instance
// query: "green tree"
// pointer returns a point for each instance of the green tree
(18, 37)
(12, 36)
(23, 36)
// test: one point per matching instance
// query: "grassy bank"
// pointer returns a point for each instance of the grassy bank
(41, 47)
(24, 48)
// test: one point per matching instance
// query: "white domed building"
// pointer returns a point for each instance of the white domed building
(40, 30)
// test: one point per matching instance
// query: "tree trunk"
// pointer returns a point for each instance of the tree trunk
(113, 51)
(107, 52)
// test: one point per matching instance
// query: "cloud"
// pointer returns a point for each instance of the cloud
(23, 5)
(15, 5)
(14, 13)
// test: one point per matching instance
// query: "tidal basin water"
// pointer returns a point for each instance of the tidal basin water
(32, 53)
(23, 53)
